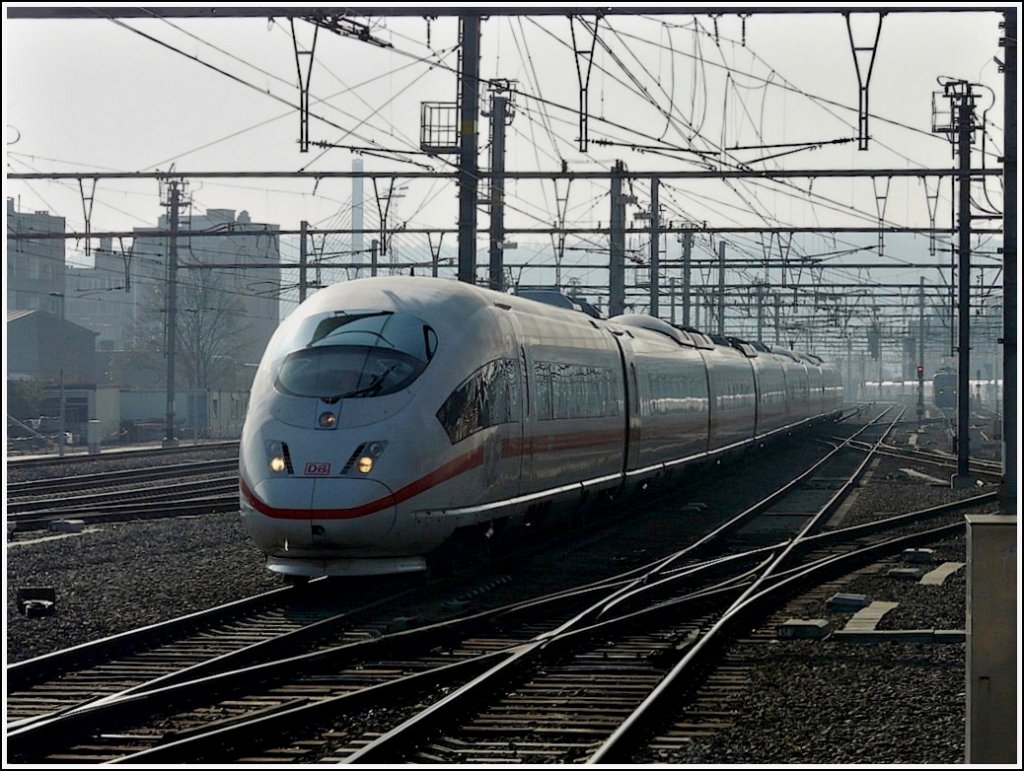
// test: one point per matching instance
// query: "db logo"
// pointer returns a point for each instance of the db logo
(318, 469)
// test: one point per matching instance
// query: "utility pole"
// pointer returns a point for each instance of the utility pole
(1008, 497)
(655, 247)
(672, 298)
(303, 226)
(61, 438)
(920, 351)
(358, 214)
(374, 246)
(171, 333)
(435, 254)
(881, 395)
(721, 287)
(760, 311)
(497, 208)
(469, 90)
(848, 389)
(617, 245)
(963, 110)
(778, 315)
(992, 686)
(687, 250)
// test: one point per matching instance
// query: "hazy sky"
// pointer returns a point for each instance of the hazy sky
(143, 94)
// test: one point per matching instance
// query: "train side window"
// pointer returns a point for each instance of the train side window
(488, 397)
(571, 391)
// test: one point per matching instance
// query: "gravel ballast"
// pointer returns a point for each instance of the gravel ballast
(120, 576)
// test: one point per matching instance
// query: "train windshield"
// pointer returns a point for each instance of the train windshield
(351, 356)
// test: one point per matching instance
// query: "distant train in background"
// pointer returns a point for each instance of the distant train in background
(939, 390)
(944, 388)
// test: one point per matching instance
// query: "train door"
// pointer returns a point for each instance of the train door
(760, 405)
(524, 441)
(630, 400)
(713, 386)
(505, 456)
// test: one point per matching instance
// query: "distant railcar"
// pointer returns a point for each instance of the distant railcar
(944, 389)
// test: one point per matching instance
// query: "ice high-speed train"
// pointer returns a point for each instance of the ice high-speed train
(389, 413)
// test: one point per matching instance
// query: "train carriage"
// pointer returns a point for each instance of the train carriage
(771, 392)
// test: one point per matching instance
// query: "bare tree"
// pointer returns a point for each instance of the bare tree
(210, 331)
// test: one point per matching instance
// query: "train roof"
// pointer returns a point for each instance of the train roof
(446, 304)
(558, 299)
(684, 337)
(442, 303)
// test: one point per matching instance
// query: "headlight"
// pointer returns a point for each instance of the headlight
(278, 458)
(364, 458)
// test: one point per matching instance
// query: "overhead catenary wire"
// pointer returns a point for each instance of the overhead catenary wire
(241, 81)
(531, 202)
(866, 215)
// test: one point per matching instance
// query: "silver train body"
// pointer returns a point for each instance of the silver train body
(388, 413)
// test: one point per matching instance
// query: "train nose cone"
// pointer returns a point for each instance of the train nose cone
(293, 517)
(353, 511)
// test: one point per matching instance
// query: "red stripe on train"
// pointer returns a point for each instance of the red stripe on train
(449, 470)
(455, 467)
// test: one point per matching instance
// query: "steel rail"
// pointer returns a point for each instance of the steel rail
(177, 689)
(597, 586)
(23, 674)
(613, 749)
(117, 477)
(239, 732)
(72, 459)
(214, 504)
(377, 750)
(42, 732)
(644, 712)
(98, 501)
(978, 465)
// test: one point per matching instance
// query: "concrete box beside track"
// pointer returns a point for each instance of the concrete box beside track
(803, 629)
(842, 601)
(67, 526)
(919, 556)
(992, 698)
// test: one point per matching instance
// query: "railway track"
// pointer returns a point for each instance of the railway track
(479, 698)
(177, 500)
(197, 488)
(75, 459)
(549, 658)
(229, 635)
(79, 483)
(986, 468)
